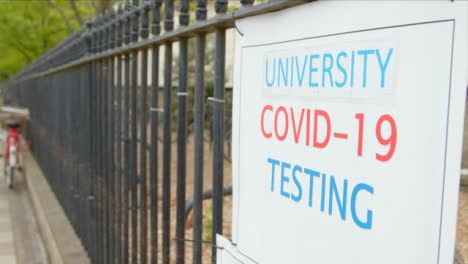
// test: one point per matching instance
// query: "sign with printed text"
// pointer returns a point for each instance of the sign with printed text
(347, 132)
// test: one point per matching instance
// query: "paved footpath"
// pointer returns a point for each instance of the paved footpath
(7, 245)
(20, 241)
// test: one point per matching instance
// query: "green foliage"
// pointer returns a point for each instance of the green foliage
(232, 9)
(207, 226)
(31, 28)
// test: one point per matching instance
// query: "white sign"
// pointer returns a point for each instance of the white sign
(348, 121)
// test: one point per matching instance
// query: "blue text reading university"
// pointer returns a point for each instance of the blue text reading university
(339, 69)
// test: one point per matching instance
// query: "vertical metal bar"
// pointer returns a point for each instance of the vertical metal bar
(93, 147)
(166, 177)
(85, 156)
(126, 156)
(126, 136)
(75, 118)
(133, 155)
(87, 73)
(110, 140)
(181, 151)
(154, 134)
(75, 149)
(166, 181)
(154, 154)
(93, 143)
(143, 159)
(118, 140)
(118, 164)
(99, 147)
(218, 137)
(83, 159)
(64, 183)
(92, 156)
(104, 154)
(182, 136)
(218, 128)
(105, 148)
(84, 139)
(143, 136)
(99, 159)
(133, 130)
(199, 148)
(69, 173)
(102, 196)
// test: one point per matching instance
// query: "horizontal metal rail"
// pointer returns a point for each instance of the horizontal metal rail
(208, 194)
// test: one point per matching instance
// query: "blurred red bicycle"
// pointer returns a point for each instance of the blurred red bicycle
(11, 154)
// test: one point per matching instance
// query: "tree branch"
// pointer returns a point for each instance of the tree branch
(94, 6)
(22, 52)
(76, 11)
(62, 14)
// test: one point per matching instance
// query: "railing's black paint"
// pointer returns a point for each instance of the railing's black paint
(85, 96)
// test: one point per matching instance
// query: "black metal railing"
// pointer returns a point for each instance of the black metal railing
(90, 136)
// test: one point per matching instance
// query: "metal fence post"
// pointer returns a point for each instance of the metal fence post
(133, 132)
(143, 135)
(105, 124)
(155, 29)
(218, 129)
(166, 177)
(182, 136)
(199, 139)
(110, 138)
(94, 238)
(99, 144)
(118, 140)
(126, 136)
(90, 146)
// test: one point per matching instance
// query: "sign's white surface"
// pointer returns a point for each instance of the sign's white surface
(348, 120)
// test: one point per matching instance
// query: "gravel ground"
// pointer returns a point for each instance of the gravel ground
(462, 226)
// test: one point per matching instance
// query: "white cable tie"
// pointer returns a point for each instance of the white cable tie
(182, 94)
(152, 109)
(216, 100)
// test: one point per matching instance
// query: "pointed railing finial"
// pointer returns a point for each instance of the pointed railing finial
(247, 3)
(127, 20)
(168, 15)
(184, 15)
(113, 25)
(200, 12)
(119, 25)
(221, 6)
(135, 17)
(156, 17)
(146, 7)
